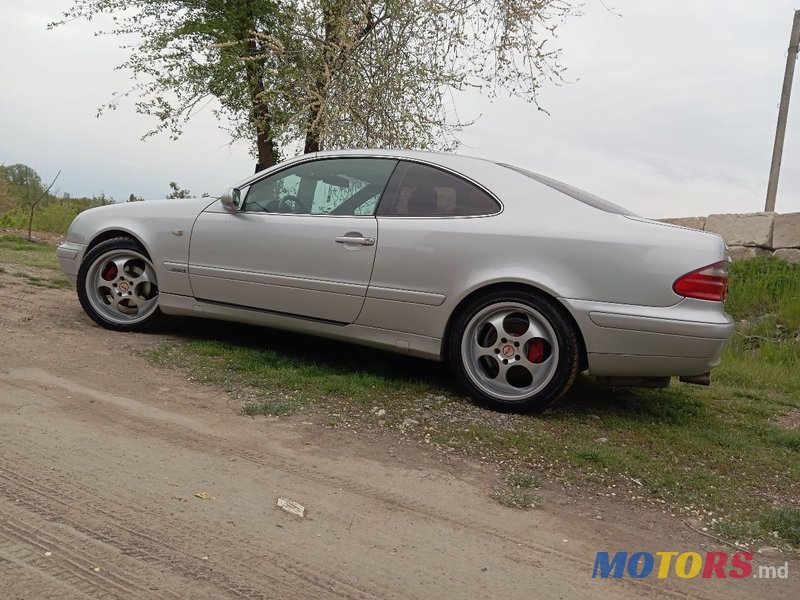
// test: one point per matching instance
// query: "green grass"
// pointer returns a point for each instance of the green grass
(278, 382)
(766, 286)
(517, 490)
(523, 479)
(784, 522)
(58, 282)
(19, 251)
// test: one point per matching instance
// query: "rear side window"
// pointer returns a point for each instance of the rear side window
(573, 192)
(417, 190)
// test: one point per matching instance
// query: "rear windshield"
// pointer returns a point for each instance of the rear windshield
(573, 192)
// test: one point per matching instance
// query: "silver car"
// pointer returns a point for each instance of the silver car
(519, 281)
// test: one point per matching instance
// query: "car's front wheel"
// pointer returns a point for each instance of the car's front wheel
(117, 286)
(514, 351)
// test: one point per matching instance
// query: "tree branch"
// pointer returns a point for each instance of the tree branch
(33, 206)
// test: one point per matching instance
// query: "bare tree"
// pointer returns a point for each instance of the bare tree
(36, 202)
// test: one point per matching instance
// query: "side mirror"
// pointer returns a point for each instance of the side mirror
(231, 199)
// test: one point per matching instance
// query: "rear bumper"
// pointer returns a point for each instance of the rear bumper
(625, 340)
(70, 256)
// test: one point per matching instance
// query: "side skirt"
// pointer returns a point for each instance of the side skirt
(393, 341)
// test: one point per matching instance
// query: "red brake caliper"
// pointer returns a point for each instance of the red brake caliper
(537, 351)
(110, 272)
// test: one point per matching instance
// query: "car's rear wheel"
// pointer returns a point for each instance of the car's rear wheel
(117, 286)
(514, 350)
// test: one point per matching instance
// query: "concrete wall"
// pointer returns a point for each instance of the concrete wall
(752, 235)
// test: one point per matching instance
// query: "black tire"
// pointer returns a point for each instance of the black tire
(103, 313)
(553, 364)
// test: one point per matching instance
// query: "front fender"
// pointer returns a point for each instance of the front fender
(162, 227)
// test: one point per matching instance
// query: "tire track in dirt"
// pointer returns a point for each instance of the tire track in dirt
(73, 559)
(19, 571)
(55, 502)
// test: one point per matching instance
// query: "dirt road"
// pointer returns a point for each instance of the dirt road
(101, 455)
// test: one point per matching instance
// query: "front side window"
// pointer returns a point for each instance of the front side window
(420, 190)
(335, 186)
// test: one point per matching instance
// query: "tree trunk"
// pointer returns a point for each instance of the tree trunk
(313, 143)
(267, 153)
(260, 116)
(334, 57)
(261, 119)
(314, 120)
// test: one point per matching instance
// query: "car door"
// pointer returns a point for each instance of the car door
(303, 243)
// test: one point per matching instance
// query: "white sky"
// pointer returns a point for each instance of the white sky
(671, 110)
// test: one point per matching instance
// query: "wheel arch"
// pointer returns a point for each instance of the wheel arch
(510, 286)
(110, 234)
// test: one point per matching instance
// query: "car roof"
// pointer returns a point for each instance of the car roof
(445, 159)
(461, 164)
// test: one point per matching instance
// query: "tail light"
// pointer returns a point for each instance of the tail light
(707, 283)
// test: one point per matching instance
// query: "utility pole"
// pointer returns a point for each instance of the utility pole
(783, 112)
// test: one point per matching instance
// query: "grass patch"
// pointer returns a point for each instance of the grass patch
(718, 449)
(55, 283)
(765, 286)
(19, 251)
(517, 490)
(784, 522)
(277, 382)
(524, 479)
(514, 497)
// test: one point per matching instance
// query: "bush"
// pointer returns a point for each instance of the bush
(51, 215)
(20, 186)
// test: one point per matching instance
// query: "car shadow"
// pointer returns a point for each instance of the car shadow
(334, 355)
(674, 405)
(586, 399)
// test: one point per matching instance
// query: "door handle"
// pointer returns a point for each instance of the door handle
(363, 241)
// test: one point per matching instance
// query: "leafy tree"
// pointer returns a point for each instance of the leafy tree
(21, 175)
(21, 193)
(381, 74)
(134, 198)
(329, 73)
(23, 183)
(187, 52)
